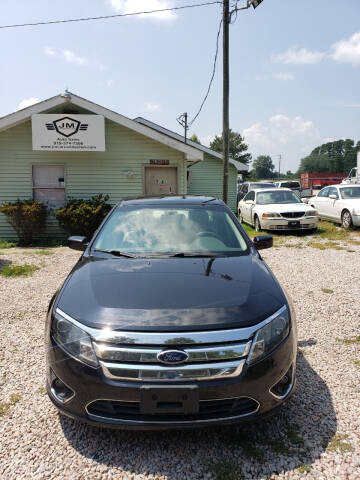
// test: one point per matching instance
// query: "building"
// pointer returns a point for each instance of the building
(68, 147)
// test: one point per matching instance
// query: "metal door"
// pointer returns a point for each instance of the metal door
(160, 180)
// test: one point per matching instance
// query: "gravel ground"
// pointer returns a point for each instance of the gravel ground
(315, 437)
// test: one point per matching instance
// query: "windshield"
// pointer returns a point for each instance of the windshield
(254, 186)
(171, 230)
(290, 185)
(350, 192)
(267, 198)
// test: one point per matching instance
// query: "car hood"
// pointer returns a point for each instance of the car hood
(287, 207)
(171, 294)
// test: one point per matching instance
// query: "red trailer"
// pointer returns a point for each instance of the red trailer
(317, 181)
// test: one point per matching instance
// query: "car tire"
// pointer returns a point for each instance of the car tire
(346, 219)
(257, 224)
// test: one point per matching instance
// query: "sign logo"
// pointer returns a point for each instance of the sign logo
(172, 357)
(67, 126)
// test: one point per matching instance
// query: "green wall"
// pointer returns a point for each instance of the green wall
(206, 179)
(86, 173)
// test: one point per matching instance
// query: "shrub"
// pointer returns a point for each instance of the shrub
(82, 217)
(27, 217)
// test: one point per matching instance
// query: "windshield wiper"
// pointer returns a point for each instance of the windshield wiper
(198, 255)
(117, 253)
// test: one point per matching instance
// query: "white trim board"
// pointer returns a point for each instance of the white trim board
(21, 116)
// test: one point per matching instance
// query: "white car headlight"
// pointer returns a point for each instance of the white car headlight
(266, 216)
(73, 340)
(311, 213)
(270, 336)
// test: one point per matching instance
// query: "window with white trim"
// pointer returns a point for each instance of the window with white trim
(49, 185)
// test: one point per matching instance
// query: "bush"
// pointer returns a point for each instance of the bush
(27, 217)
(82, 217)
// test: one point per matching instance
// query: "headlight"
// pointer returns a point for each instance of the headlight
(270, 336)
(266, 216)
(73, 340)
(311, 213)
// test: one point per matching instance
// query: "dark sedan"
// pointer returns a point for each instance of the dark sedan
(170, 319)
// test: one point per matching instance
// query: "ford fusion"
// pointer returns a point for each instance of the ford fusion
(170, 319)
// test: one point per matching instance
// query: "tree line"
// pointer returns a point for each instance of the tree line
(336, 157)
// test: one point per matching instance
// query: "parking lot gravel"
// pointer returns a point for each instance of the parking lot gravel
(316, 436)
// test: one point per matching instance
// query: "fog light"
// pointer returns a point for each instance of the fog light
(282, 388)
(59, 390)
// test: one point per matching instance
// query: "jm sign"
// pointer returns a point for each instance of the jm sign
(68, 132)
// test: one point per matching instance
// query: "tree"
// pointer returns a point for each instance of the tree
(194, 138)
(335, 157)
(263, 167)
(237, 147)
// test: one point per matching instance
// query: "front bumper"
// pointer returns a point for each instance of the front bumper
(306, 223)
(90, 385)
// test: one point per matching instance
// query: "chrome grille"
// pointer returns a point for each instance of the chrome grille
(133, 356)
(292, 214)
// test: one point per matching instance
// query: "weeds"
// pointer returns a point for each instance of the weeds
(5, 406)
(339, 444)
(304, 469)
(225, 471)
(18, 270)
(38, 252)
(327, 290)
(325, 245)
(357, 363)
(349, 341)
(6, 244)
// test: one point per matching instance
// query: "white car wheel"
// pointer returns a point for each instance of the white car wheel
(257, 225)
(346, 219)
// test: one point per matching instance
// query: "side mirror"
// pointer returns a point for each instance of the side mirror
(333, 196)
(263, 241)
(78, 243)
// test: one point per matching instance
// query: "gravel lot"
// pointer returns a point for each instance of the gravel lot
(317, 436)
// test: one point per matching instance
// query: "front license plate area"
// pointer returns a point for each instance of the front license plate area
(169, 400)
(294, 224)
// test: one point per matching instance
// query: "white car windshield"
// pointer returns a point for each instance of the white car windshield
(153, 230)
(267, 198)
(349, 193)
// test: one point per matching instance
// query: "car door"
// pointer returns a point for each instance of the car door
(247, 206)
(320, 200)
(331, 204)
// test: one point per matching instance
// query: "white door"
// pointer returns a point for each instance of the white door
(321, 200)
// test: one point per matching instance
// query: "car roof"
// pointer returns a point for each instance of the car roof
(181, 200)
(275, 189)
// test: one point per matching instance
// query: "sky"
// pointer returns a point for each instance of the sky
(294, 66)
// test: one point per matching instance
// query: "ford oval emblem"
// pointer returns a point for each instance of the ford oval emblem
(172, 357)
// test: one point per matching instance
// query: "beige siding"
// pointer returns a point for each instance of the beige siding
(86, 173)
(206, 179)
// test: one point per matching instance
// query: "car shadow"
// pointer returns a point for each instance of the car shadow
(295, 437)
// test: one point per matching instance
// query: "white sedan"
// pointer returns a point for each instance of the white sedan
(276, 209)
(339, 203)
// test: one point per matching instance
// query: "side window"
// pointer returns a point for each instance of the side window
(49, 185)
(324, 192)
(333, 191)
(245, 189)
(249, 196)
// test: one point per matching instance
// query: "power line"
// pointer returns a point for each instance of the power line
(105, 17)
(212, 75)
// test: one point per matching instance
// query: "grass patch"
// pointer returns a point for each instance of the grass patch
(293, 435)
(41, 390)
(38, 252)
(354, 242)
(325, 245)
(310, 292)
(349, 341)
(357, 363)
(18, 270)
(5, 244)
(225, 471)
(5, 406)
(327, 290)
(304, 469)
(340, 444)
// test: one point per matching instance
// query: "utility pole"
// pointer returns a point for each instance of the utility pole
(226, 74)
(279, 164)
(183, 120)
